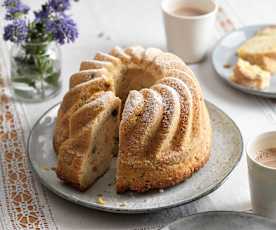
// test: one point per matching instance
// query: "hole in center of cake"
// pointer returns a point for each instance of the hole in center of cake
(134, 79)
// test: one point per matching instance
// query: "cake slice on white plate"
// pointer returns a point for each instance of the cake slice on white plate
(261, 49)
(250, 75)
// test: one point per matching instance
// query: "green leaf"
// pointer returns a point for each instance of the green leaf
(52, 79)
(25, 80)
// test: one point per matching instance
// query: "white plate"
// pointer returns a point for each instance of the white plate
(222, 221)
(225, 54)
(226, 152)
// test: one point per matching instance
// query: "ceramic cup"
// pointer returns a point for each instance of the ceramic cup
(189, 37)
(262, 179)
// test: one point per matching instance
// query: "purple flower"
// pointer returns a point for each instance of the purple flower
(63, 29)
(11, 3)
(15, 9)
(51, 23)
(42, 14)
(59, 5)
(16, 31)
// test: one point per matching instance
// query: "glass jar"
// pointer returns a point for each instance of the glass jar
(35, 71)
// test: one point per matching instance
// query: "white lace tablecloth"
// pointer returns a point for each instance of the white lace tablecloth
(25, 203)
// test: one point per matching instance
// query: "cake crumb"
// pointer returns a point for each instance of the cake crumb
(46, 168)
(100, 200)
(227, 66)
(123, 204)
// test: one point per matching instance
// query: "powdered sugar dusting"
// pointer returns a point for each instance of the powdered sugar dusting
(170, 119)
(136, 53)
(169, 61)
(135, 100)
(154, 102)
(151, 54)
(147, 123)
(171, 101)
(119, 53)
(154, 120)
(105, 97)
(186, 117)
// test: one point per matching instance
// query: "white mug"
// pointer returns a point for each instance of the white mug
(262, 179)
(189, 37)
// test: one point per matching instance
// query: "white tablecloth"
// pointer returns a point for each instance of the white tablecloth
(124, 23)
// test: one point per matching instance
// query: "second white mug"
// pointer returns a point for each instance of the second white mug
(262, 179)
(189, 36)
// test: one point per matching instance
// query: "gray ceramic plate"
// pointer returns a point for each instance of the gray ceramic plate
(225, 54)
(226, 153)
(222, 221)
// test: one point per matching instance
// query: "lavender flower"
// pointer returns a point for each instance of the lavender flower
(50, 23)
(15, 9)
(59, 5)
(16, 31)
(11, 3)
(63, 29)
(42, 14)
(52, 8)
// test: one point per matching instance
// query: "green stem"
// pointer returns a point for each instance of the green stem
(36, 66)
(42, 86)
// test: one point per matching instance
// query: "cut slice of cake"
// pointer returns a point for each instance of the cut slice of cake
(250, 75)
(88, 151)
(261, 51)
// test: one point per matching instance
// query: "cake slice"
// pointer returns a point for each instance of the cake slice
(250, 75)
(261, 51)
(88, 151)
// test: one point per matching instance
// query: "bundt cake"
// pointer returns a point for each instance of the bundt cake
(162, 136)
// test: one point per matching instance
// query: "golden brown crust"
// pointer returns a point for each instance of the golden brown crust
(167, 177)
(150, 55)
(164, 133)
(170, 167)
(100, 56)
(164, 158)
(136, 54)
(75, 152)
(118, 52)
(72, 101)
(95, 64)
(86, 75)
(166, 61)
